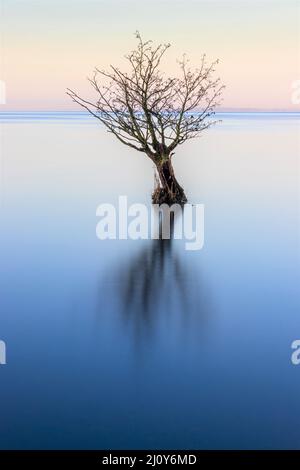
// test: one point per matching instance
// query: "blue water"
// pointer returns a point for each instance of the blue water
(142, 344)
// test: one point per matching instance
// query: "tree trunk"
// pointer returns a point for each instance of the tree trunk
(169, 190)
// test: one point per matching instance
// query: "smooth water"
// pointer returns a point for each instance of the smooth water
(142, 344)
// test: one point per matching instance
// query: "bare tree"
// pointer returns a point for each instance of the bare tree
(154, 114)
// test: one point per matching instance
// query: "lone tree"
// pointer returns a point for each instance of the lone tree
(154, 114)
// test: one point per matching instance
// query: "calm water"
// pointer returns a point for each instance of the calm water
(141, 344)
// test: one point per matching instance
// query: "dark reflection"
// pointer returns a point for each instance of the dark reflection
(160, 284)
(155, 280)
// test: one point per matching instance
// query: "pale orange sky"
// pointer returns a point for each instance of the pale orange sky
(49, 45)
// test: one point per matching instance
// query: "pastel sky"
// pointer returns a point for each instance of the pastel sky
(49, 45)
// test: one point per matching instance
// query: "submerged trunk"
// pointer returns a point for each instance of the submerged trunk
(168, 190)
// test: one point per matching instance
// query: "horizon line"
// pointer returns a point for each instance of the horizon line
(231, 111)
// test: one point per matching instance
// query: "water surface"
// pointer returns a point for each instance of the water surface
(142, 344)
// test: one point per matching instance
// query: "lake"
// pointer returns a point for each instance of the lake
(141, 344)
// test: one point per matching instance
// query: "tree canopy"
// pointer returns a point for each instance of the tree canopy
(149, 112)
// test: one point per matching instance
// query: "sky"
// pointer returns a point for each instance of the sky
(49, 45)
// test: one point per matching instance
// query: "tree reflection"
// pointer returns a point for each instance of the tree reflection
(160, 284)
